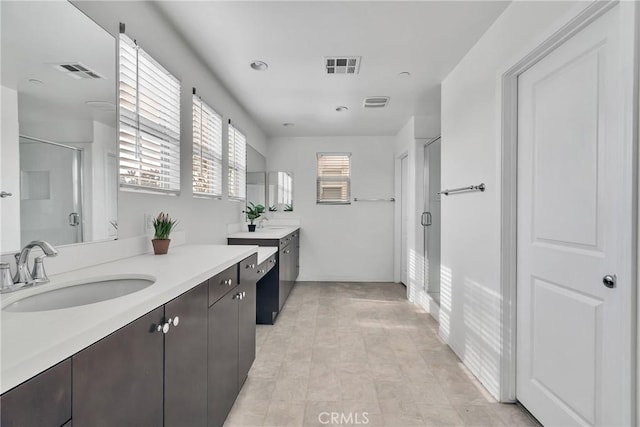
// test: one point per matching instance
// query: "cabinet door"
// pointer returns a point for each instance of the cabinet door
(223, 357)
(118, 380)
(247, 317)
(295, 244)
(284, 273)
(185, 359)
(44, 400)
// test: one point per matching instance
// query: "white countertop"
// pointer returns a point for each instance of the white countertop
(33, 342)
(265, 252)
(277, 232)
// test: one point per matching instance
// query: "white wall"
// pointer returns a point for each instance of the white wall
(203, 220)
(470, 274)
(9, 171)
(341, 242)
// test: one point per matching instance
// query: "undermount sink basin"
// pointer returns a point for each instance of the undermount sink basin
(83, 293)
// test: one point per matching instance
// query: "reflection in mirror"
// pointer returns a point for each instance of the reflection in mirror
(256, 188)
(280, 191)
(58, 147)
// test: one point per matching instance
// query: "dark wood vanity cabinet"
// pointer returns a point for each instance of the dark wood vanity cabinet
(140, 375)
(42, 401)
(182, 364)
(274, 286)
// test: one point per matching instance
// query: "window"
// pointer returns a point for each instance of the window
(334, 178)
(207, 150)
(237, 163)
(149, 122)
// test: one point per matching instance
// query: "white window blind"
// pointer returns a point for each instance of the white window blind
(207, 150)
(237, 164)
(149, 122)
(333, 185)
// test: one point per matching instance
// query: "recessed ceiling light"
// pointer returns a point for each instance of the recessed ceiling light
(36, 82)
(341, 109)
(404, 74)
(288, 125)
(259, 65)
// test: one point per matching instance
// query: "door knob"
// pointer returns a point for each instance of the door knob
(609, 281)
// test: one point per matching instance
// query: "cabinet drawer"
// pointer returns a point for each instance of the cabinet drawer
(285, 241)
(222, 283)
(249, 267)
(265, 266)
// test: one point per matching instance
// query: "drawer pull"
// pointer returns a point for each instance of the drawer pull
(227, 282)
(174, 321)
(164, 328)
(251, 266)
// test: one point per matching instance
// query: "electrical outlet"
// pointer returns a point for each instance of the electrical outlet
(148, 222)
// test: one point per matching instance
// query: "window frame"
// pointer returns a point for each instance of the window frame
(148, 132)
(342, 179)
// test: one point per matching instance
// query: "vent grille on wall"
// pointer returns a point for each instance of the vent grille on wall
(376, 102)
(77, 71)
(342, 64)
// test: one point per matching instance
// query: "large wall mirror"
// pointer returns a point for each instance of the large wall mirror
(59, 126)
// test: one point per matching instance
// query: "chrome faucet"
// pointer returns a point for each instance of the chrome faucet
(23, 277)
(261, 221)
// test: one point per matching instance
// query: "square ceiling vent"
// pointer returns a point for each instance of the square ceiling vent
(342, 64)
(77, 71)
(375, 102)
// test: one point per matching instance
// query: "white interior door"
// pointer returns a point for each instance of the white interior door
(574, 334)
(404, 211)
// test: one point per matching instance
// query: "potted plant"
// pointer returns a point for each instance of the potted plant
(163, 225)
(253, 212)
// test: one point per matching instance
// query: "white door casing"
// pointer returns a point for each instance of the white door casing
(574, 343)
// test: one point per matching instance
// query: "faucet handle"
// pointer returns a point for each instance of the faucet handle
(6, 282)
(38, 274)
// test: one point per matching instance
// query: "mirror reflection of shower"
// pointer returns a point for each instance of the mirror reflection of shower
(66, 192)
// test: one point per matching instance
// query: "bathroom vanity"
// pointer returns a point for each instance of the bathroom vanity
(174, 353)
(274, 288)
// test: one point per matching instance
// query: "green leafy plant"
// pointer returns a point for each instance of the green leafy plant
(253, 212)
(163, 226)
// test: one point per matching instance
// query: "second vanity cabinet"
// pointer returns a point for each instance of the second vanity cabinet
(274, 287)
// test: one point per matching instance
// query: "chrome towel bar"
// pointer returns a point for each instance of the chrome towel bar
(480, 187)
(391, 199)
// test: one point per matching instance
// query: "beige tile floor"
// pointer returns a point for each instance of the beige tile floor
(362, 354)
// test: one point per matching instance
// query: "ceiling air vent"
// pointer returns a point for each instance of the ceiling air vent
(342, 64)
(376, 102)
(77, 71)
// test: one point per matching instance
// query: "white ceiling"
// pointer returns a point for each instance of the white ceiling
(37, 34)
(425, 38)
